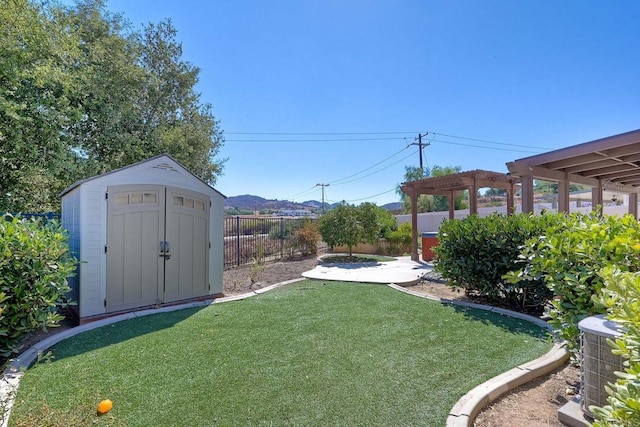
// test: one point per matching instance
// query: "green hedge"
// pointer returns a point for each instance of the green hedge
(34, 266)
(475, 253)
(569, 257)
(621, 297)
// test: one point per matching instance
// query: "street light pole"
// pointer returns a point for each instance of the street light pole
(322, 185)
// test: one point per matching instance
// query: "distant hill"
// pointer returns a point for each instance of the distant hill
(393, 207)
(250, 202)
(257, 203)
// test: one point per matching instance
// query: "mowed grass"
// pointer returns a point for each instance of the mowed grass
(309, 353)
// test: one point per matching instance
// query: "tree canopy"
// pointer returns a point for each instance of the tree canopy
(427, 202)
(348, 225)
(82, 93)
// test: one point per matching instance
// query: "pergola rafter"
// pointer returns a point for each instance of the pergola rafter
(611, 163)
(453, 185)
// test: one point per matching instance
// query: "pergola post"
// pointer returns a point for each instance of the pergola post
(563, 196)
(596, 198)
(527, 193)
(473, 197)
(414, 224)
(452, 204)
(633, 204)
(510, 199)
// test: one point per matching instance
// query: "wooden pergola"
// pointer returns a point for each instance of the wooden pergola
(452, 186)
(611, 163)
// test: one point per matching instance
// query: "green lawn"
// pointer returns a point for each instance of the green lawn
(309, 353)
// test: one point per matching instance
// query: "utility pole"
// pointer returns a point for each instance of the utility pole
(420, 147)
(322, 185)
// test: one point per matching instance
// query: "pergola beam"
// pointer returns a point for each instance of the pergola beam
(611, 163)
(450, 186)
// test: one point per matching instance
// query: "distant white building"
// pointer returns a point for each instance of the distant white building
(295, 212)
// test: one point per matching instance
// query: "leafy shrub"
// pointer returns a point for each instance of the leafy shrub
(387, 223)
(307, 238)
(620, 296)
(399, 240)
(34, 266)
(568, 258)
(475, 253)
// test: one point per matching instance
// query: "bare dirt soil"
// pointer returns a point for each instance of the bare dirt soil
(534, 404)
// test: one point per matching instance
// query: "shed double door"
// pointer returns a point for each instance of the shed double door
(157, 245)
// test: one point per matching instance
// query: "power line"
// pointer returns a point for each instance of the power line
(379, 170)
(338, 181)
(370, 167)
(364, 198)
(281, 141)
(364, 139)
(487, 148)
(303, 192)
(318, 133)
(487, 141)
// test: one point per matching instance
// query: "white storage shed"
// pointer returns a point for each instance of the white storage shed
(148, 234)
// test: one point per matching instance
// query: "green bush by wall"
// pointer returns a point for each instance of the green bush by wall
(475, 253)
(621, 297)
(568, 258)
(34, 265)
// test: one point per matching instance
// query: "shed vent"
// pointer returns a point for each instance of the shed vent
(599, 364)
(165, 166)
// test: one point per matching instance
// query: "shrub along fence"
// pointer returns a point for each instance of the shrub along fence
(254, 239)
(46, 216)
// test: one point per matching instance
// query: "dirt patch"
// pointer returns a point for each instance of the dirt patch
(534, 404)
(245, 279)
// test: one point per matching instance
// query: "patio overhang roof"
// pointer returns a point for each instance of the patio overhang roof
(612, 162)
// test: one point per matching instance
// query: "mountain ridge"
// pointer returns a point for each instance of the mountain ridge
(257, 203)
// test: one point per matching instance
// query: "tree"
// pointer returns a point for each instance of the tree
(427, 202)
(139, 96)
(495, 192)
(340, 227)
(80, 94)
(442, 202)
(349, 225)
(36, 58)
(547, 187)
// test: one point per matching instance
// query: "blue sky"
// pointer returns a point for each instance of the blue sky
(333, 91)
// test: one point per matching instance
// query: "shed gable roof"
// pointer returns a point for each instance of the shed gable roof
(162, 161)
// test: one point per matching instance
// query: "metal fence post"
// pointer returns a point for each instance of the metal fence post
(238, 241)
(281, 237)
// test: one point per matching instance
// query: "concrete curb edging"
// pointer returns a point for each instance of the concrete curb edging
(465, 411)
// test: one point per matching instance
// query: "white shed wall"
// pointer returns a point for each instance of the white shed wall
(71, 222)
(216, 237)
(88, 221)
